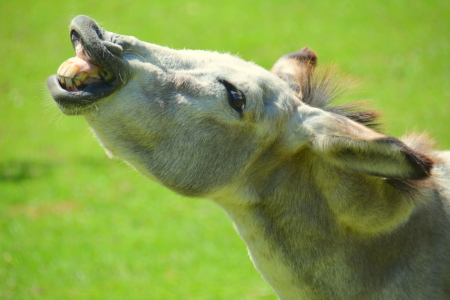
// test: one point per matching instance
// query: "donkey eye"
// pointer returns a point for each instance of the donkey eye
(236, 98)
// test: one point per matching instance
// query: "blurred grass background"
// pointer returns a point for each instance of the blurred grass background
(76, 225)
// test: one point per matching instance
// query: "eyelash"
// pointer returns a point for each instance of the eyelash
(236, 98)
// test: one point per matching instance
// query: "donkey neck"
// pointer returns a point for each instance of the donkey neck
(283, 218)
(298, 220)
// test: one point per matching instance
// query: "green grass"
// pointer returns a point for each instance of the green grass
(75, 225)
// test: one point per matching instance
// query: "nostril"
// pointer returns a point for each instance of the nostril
(74, 36)
(98, 31)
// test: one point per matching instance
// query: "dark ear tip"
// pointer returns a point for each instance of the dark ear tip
(422, 163)
(308, 53)
(304, 54)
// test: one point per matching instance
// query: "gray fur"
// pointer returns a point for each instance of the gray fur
(328, 208)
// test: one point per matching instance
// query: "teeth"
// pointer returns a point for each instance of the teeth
(81, 76)
(76, 73)
(71, 70)
(68, 77)
(64, 67)
(60, 69)
(69, 83)
(78, 84)
(68, 69)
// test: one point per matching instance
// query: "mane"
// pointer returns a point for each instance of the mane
(323, 87)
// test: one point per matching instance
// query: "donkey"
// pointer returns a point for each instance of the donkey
(329, 207)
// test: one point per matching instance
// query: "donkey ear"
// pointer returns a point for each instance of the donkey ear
(296, 68)
(355, 147)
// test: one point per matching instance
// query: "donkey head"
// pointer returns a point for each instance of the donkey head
(197, 120)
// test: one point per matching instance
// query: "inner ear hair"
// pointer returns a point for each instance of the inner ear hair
(306, 60)
(296, 69)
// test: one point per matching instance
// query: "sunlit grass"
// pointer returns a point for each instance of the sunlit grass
(75, 225)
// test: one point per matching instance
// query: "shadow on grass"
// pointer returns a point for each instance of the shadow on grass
(20, 170)
(17, 171)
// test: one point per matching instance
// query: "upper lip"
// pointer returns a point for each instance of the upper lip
(99, 51)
